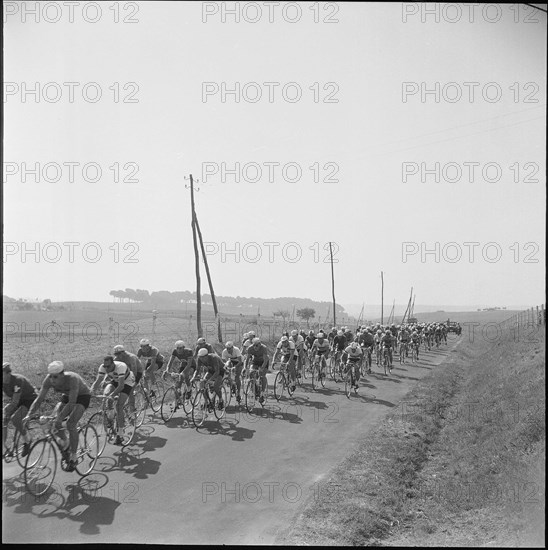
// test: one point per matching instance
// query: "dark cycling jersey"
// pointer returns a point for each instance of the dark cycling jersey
(340, 343)
(19, 384)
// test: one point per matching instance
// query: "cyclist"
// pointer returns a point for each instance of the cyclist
(154, 360)
(339, 344)
(232, 356)
(22, 394)
(387, 340)
(201, 343)
(320, 350)
(366, 342)
(403, 339)
(351, 356)
(118, 380)
(136, 367)
(444, 333)
(213, 367)
(286, 348)
(415, 341)
(75, 400)
(187, 365)
(130, 359)
(258, 355)
(332, 335)
(299, 350)
(309, 340)
(348, 335)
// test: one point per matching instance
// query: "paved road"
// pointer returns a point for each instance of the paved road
(235, 482)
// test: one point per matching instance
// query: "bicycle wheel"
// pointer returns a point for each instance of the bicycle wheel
(187, 398)
(129, 426)
(279, 385)
(98, 422)
(18, 445)
(140, 406)
(299, 368)
(88, 449)
(170, 403)
(250, 395)
(155, 395)
(40, 467)
(306, 366)
(220, 413)
(199, 408)
(333, 368)
(227, 383)
(321, 375)
(348, 382)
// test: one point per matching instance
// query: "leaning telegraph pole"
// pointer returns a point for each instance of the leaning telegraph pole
(215, 310)
(382, 299)
(197, 262)
(333, 286)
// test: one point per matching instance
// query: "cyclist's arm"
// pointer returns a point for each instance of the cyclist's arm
(168, 367)
(11, 407)
(41, 396)
(96, 381)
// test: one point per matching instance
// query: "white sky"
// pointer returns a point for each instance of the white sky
(170, 132)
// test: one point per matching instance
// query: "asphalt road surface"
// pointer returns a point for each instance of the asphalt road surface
(238, 481)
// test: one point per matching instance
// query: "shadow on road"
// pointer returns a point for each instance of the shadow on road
(82, 502)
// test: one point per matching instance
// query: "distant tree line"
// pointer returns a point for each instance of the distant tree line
(283, 307)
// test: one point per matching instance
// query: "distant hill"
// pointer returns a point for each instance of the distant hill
(228, 305)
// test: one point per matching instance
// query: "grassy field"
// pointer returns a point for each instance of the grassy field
(460, 463)
(82, 337)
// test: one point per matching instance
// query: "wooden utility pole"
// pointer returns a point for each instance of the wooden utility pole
(216, 311)
(407, 308)
(382, 299)
(333, 285)
(390, 318)
(197, 262)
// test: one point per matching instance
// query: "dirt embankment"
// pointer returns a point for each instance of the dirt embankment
(461, 462)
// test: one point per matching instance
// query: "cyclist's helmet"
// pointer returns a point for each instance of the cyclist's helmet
(283, 339)
(179, 344)
(200, 341)
(256, 340)
(294, 333)
(251, 334)
(229, 344)
(339, 333)
(202, 352)
(354, 345)
(119, 349)
(144, 342)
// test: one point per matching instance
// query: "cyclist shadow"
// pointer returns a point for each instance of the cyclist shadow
(400, 376)
(371, 399)
(178, 422)
(54, 502)
(305, 401)
(129, 461)
(416, 365)
(227, 428)
(389, 378)
(87, 507)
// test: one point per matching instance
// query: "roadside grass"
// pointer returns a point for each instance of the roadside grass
(460, 462)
